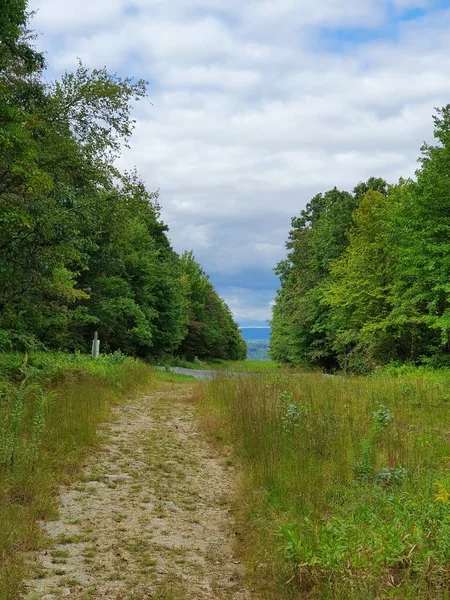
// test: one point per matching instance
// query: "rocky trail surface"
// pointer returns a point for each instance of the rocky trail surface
(150, 518)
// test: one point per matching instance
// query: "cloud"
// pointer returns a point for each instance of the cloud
(252, 308)
(56, 18)
(258, 105)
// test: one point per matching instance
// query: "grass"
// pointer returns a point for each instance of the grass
(247, 366)
(173, 377)
(346, 483)
(50, 409)
(236, 366)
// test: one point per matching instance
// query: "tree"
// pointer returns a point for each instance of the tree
(212, 332)
(50, 187)
(421, 226)
(82, 245)
(301, 331)
(358, 292)
(16, 53)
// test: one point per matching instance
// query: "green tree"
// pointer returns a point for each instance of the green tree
(358, 292)
(212, 331)
(133, 275)
(301, 331)
(16, 52)
(52, 178)
(82, 245)
(421, 226)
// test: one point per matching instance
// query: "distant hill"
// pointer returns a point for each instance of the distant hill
(257, 340)
(258, 349)
(256, 333)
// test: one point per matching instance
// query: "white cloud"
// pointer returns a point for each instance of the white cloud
(55, 17)
(252, 113)
(211, 77)
(249, 306)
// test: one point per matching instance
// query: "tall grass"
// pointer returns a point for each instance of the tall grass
(50, 409)
(247, 366)
(346, 483)
(233, 366)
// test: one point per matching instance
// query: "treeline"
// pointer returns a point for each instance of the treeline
(366, 280)
(82, 245)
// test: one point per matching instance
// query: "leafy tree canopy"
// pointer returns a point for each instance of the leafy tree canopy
(366, 279)
(82, 245)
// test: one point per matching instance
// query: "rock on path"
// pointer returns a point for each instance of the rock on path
(150, 519)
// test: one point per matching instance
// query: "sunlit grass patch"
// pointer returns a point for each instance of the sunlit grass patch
(173, 377)
(346, 482)
(235, 366)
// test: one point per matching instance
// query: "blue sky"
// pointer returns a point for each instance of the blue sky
(256, 106)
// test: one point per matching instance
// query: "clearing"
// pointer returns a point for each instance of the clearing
(150, 518)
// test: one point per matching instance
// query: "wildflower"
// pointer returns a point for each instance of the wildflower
(442, 495)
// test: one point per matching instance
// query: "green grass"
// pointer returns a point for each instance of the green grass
(173, 377)
(50, 409)
(237, 366)
(40, 366)
(346, 483)
(247, 366)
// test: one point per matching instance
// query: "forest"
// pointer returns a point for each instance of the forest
(83, 246)
(365, 282)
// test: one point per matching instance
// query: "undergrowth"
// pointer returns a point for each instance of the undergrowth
(346, 483)
(50, 407)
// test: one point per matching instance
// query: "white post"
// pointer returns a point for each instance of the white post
(95, 345)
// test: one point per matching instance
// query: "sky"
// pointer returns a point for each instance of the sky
(254, 106)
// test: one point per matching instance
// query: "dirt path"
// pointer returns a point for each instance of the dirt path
(151, 517)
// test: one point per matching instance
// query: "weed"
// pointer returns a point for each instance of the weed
(292, 412)
(382, 417)
(391, 476)
(348, 477)
(292, 545)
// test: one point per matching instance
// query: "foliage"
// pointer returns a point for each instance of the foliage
(82, 245)
(366, 277)
(317, 238)
(212, 332)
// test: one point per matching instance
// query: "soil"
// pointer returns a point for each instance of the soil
(151, 517)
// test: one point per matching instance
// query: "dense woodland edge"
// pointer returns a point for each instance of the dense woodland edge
(366, 278)
(83, 247)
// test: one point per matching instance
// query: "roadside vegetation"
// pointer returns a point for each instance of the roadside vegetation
(248, 366)
(233, 366)
(50, 408)
(365, 280)
(83, 247)
(345, 488)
